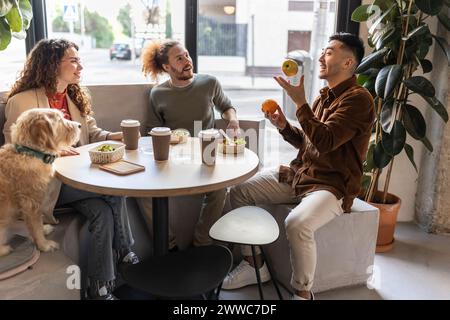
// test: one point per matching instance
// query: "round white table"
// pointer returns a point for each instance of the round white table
(182, 174)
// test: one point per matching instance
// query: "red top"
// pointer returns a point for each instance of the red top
(59, 101)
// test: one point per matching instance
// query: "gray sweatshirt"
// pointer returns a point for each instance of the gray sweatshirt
(176, 108)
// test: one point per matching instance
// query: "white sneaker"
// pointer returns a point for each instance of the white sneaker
(243, 275)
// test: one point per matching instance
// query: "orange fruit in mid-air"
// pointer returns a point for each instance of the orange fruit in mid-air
(289, 67)
(269, 106)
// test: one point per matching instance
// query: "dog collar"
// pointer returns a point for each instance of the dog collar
(47, 158)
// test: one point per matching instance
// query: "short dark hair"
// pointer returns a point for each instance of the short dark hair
(351, 42)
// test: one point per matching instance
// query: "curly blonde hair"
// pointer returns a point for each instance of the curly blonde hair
(155, 55)
(41, 70)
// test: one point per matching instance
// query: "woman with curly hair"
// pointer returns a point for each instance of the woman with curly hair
(51, 79)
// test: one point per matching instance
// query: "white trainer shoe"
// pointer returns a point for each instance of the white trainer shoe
(243, 275)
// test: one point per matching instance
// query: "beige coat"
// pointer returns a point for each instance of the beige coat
(36, 98)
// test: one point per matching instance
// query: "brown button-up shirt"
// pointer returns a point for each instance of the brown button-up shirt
(332, 142)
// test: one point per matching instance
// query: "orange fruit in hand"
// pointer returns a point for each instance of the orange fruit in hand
(289, 67)
(269, 106)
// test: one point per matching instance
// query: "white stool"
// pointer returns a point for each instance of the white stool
(249, 226)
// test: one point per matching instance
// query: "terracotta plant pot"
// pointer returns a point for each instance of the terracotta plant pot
(388, 220)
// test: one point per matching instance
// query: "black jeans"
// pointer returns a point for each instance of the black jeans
(109, 227)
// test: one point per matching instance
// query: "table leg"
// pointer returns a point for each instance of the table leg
(160, 226)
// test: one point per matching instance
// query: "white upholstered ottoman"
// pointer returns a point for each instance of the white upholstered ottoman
(345, 247)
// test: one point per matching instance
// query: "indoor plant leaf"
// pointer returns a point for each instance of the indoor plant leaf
(14, 19)
(391, 34)
(368, 163)
(363, 13)
(444, 19)
(442, 42)
(437, 106)
(365, 181)
(5, 6)
(27, 13)
(427, 144)
(421, 30)
(372, 72)
(410, 153)
(362, 78)
(387, 116)
(383, 4)
(5, 33)
(20, 35)
(431, 7)
(423, 49)
(394, 142)
(421, 86)
(380, 157)
(370, 85)
(378, 21)
(387, 80)
(427, 65)
(371, 60)
(414, 122)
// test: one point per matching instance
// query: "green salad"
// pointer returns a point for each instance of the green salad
(106, 148)
(235, 142)
(181, 133)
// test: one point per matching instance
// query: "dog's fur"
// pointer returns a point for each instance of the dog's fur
(24, 179)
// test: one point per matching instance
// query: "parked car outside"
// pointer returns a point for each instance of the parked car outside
(123, 51)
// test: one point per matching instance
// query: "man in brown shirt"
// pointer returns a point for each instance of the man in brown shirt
(325, 177)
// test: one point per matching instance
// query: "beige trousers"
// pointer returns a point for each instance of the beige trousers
(210, 212)
(314, 210)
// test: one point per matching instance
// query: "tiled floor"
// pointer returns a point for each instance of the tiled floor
(418, 267)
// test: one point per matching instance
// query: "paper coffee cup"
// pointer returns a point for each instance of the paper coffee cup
(130, 130)
(161, 143)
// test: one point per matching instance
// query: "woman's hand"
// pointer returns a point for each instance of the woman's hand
(278, 119)
(70, 151)
(118, 136)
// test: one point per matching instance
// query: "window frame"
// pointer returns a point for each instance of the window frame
(38, 27)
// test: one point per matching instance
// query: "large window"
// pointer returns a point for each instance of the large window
(11, 61)
(111, 34)
(244, 42)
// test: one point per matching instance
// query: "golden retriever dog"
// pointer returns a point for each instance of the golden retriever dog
(26, 170)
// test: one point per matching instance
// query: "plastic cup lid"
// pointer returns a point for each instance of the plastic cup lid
(160, 131)
(208, 134)
(130, 123)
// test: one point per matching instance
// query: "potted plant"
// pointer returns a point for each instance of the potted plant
(15, 18)
(401, 38)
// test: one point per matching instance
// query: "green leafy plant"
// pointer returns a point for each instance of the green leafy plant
(401, 38)
(15, 19)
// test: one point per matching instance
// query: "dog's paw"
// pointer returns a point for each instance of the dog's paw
(48, 228)
(4, 250)
(48, 245)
